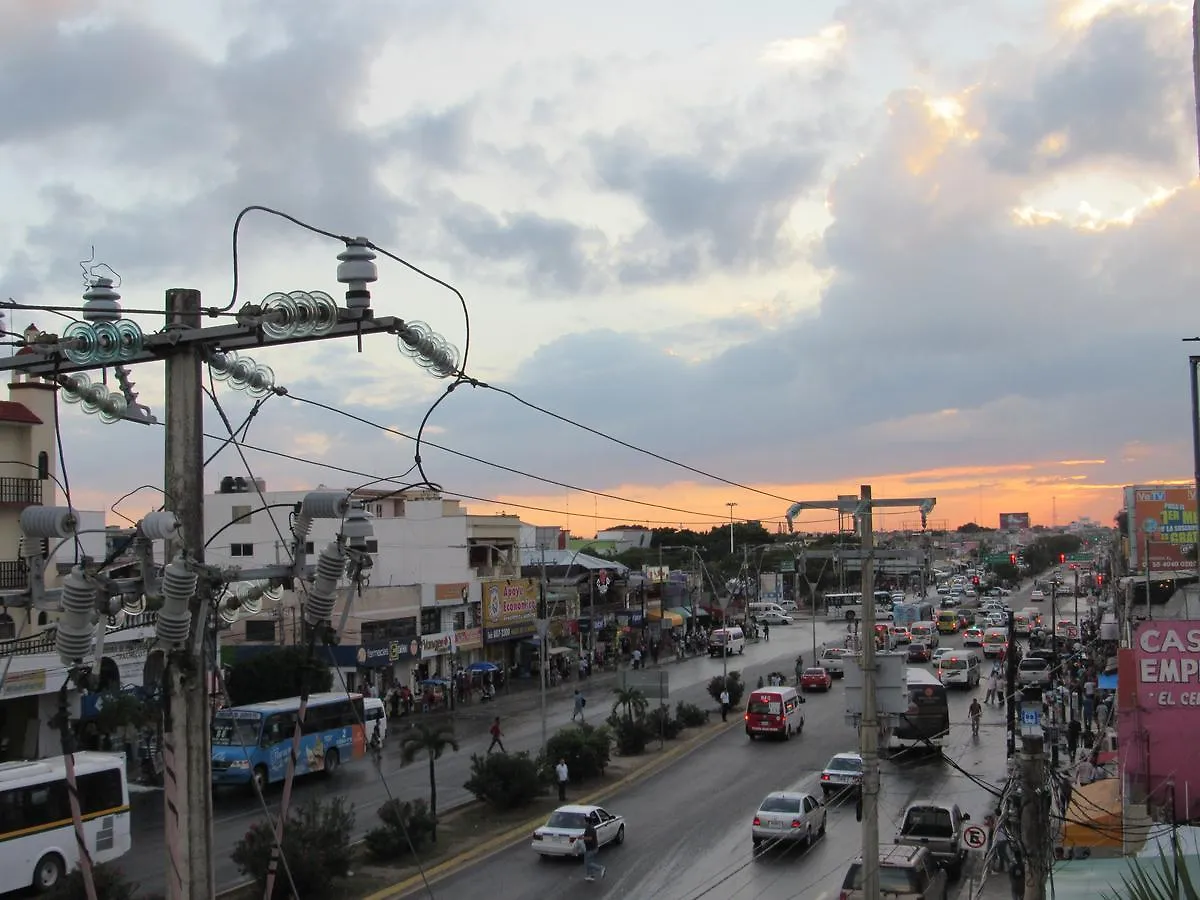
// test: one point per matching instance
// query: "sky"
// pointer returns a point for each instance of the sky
(941, 247)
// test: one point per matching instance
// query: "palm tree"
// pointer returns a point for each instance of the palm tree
(432, 740)
(631, 700)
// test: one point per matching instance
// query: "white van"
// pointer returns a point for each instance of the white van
(759, 608)
(959, 669)
(727, 641)
(374, 718)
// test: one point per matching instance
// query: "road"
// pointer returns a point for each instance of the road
(359, 783)
(689, 828)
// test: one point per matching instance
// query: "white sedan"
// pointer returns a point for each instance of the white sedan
(562, 835)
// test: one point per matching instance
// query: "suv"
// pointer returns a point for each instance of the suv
(937, 827)
(905, 873)
(1035, 671)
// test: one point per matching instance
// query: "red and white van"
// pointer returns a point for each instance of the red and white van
(774, 710)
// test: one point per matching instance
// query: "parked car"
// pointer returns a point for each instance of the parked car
(834, 660)
(937, 827)
(843, 773)
(905, 873)
(787, 816)
(816, 678)
(562, 835)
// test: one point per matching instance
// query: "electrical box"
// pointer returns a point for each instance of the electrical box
(891, 685)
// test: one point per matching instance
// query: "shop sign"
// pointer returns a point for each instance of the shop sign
(31, 682)
(372, 656)
(508, 632)
(468, 638)
(451, 594)
(508, 602)
(437, 644)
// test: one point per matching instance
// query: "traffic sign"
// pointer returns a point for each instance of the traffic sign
(787, 565)
(1031, 717)
(975, 837)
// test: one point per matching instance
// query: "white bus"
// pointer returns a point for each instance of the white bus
(37, 838)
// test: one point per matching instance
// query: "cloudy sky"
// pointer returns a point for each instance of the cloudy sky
(945, 247)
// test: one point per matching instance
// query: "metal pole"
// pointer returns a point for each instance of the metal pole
(187, 749)
(543, 627)
(1193, 365)
(731, 506)
(869, 732)
(1076, 596)
(1149, 614)
(1010, 685)
(591, 615)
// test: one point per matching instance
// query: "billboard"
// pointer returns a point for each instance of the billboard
(1014, 521)
(1166, 514)
(509, 608)
(1158, 720)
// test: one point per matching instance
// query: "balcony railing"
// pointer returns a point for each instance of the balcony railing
(14, 574)
(20, 491)
(39, 643)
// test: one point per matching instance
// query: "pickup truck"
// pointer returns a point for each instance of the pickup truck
(832, 660)
(938, 827)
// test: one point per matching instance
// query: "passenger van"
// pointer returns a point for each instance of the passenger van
(375, 718)
(774, 710)
(947, 621)
(995, 643)
(758, 608)
(925, 633)
(1021, 624)
(727, 641)
(959, 670)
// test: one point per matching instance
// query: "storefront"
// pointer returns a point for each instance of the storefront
(509, 611)
(437, 653)
(468, 646)
(388, 663)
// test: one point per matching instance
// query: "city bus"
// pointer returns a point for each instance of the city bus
(251, 744)
(927, 721)
(37, 837)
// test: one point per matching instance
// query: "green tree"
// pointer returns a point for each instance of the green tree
(1006, 571)
(433, 741)
(630, 701)
(276, 674)
(1165, 878)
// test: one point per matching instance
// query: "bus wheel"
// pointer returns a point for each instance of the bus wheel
(331, 762)
(261, 780)
(49, 872)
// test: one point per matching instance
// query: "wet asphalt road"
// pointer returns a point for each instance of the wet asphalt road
(688, 830)
(360, 785)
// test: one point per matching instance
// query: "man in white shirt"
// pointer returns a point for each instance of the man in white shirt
(562, 776)
(724, 704)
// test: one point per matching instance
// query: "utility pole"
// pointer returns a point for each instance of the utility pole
(862, 507)
(187, 753)
(1077, 596)
(1010, 686)
(869, 732)
(731, 505)
(1035, 811)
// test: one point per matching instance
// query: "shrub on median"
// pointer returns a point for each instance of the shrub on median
(316, 844)
(505, 780)
(662, 724)
(587, 750)
(732, 683)
(690, 715)
(407, 825)
(631, 735)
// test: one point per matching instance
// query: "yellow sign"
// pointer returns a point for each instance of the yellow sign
(509, 607)
(31, 682)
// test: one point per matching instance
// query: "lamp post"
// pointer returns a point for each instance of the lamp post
(1149, 527)
(543, 629)
(731, 506)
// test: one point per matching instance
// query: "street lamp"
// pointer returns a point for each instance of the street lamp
(731, 505)
(543, 629)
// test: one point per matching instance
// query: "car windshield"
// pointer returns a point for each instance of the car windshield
(892, 880)
(844, 764)
(1034, 663)
(953, 664)
(561, 819)
(931, 821)
(780, 805)
(242, 731)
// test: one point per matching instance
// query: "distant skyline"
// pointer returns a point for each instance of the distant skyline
(943, 248)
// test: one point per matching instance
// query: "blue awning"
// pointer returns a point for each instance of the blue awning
(1107, 682)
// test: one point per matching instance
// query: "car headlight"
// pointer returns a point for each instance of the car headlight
(239, 763)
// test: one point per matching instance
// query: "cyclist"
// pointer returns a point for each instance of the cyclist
(976, 713)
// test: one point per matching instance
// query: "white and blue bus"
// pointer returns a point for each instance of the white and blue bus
(37, 837)
(252, 743)
(927, 721)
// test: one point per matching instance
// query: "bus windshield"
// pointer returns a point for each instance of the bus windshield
(236, 731)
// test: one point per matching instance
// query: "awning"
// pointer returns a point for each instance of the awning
(669, 616)
(1107, 682)
(682, 612)
(1094, 817)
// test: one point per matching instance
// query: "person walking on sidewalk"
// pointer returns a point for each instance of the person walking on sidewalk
(562, 776)
(766, 632)
(591, 845)
(496, 734)
(993, 687)
(580, 702)
(724, 704)
(1073, 730)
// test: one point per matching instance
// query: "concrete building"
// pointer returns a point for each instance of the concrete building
(424, 611)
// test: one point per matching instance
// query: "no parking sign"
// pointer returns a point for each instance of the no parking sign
(975, 837)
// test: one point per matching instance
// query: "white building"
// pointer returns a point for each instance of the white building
(629, 538)
(421, 613)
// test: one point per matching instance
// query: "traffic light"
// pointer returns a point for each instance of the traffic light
(975, 580)
(1099, 581)
(1062, 558)
(1012, 559)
